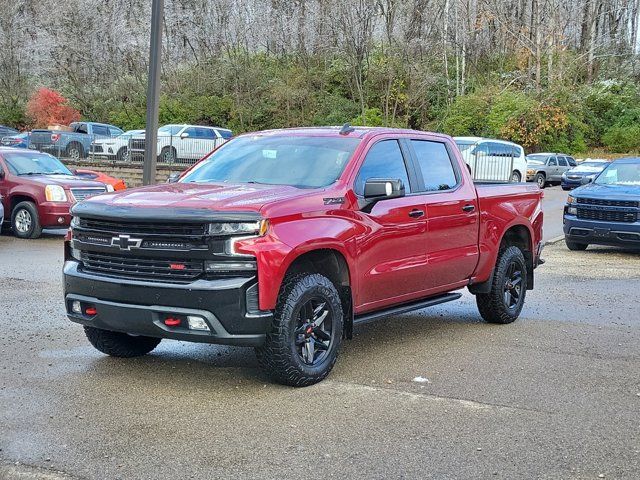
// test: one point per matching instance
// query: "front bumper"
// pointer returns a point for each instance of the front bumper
(140, 307)
(568, 183)
(55, 214)
(601, 233)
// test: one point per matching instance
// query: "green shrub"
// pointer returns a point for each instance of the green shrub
(622, 139)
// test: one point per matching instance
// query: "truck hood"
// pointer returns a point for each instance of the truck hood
(184, 201)
(67, 181)
(608, 192)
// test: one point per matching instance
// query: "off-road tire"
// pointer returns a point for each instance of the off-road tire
(491, 305)
(575, 246)
(541, 180)
(119, 344)
(35, 230)
(278, 357)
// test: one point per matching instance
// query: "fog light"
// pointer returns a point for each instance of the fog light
(197, 323)
(76, 307)
(60, 219)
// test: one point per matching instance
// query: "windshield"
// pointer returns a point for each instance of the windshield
(170, 129)
(537, 159)
(464, 145)
(34, 163)
(305, 162)
(620, 174)
(591, 165)
(130, 133)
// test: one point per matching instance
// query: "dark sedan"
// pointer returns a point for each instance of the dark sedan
(586, 170)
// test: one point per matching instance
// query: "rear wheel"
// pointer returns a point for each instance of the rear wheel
(75, 151)
(119, 344)
(123, 154)
(306, 334)
(541, 180)
(25, 220)
(504, 302)
(575, 246)
(168, 155)
(516, 177)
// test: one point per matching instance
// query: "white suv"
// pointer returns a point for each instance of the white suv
(183, 142)
(493, 160)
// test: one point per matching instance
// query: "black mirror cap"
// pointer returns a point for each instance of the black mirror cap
(383, 188)
(174, 177)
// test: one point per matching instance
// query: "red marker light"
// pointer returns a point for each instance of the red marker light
(177, 266)
(172, 322)
(91, 311)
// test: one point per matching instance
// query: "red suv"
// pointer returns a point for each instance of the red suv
(37, 191)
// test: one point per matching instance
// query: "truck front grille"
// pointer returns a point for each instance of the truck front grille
(607, 215)
(608, 203)
(83, 193)
(175, 270)
(115, 228)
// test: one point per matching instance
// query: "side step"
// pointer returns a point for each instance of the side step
(404, 308)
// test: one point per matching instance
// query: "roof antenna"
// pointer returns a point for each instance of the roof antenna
(347, 129)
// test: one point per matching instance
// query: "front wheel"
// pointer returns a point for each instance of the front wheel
(25, 220)
(168, 155)
(575, 246)
(123, 154)
(75, 151)
(119, 344)
(516, 177)
(541, 180)
(504, 302)
(303, 344)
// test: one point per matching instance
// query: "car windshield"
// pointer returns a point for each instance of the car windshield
(304, 161)
(170, 129)
(129, 133)
(462, 145)
(620, 174)
(591, 165)
(34, 163)
(537, 159)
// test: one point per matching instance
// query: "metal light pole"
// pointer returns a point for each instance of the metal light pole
(153, 95)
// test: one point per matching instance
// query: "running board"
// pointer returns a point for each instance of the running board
(407, 307)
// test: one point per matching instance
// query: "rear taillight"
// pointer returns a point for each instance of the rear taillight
(55, 137)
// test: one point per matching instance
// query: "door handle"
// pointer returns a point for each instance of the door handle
(468, 208)
(416, 213)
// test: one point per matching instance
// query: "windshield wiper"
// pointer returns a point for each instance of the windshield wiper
(30, 173)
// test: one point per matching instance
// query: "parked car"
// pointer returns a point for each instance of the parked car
(282, 240)
(115, 183)
(115, 147)
(20, 140)
(6, 131)
(74, 144)
(606, 211)
(547, 168)
(1, 213)
(38, 190)
(183, 142)
(492, 160)
(575, 176)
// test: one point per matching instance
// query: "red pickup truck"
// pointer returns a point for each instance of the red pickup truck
(284, 240)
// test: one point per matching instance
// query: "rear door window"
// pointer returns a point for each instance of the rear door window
(562, 161)
(384, 160)
(552, 162)
(435, 165)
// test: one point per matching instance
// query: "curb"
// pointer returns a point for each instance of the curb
(555, 240)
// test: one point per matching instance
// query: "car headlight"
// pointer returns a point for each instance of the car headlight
(530, 171)
(238, 228)
(55, 193)
(109, 187)
(570, 199)
(75, 222)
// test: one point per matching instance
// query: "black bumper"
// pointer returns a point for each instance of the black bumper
(602, 233)
(141, 307)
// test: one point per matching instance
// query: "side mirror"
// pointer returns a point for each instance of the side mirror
(383, 188)
(174, 177)
(184, 135)
(586, 180)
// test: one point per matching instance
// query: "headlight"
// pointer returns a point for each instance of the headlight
(75, 222)
(530, 171)
(572, 211)
(109, 187)
(238, 228)
(229, 267)
(55, 193)
(570, 199)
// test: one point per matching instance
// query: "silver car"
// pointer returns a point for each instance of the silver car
(547, 168)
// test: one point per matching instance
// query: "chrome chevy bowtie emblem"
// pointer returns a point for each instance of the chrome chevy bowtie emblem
(125, 242)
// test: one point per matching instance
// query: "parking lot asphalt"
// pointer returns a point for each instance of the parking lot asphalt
(431, 394)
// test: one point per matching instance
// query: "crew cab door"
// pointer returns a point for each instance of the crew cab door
(452, 215)
(553, 170)
(391, 251)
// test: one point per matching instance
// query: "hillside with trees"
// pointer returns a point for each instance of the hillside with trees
(550, 74)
